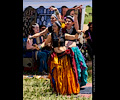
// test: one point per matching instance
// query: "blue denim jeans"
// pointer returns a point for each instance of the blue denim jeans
(42, 60)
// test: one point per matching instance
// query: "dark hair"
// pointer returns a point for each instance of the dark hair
(68, 12)
(75, 6)
(62, 8)
(89, 24)
(53, 6)
(42, 26)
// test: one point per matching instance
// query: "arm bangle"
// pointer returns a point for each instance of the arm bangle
(76, 12)
(40, 47)
(57, 12)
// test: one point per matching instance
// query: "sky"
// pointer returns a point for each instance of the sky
(57, 3)
(53, 0)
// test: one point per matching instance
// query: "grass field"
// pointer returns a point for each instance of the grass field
(40, 89)
(89, 17)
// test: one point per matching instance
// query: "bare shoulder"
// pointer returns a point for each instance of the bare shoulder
(49, 34)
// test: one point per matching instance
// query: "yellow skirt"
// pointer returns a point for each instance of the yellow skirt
(62, 77)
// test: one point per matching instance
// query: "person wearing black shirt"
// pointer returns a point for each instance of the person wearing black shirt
(62, 77)
(88, 37)
(45, 31)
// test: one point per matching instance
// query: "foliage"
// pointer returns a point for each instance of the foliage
(89, 17)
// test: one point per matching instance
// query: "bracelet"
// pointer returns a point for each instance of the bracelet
(57, 12)
(40, 47)
(76, 12)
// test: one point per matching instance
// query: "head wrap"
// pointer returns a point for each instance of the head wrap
(54, 16)
(34, 25)
(58, 24)
(71, 18)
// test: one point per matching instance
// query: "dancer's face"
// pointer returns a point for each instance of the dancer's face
(68, 22)
(53, 19)
(72, 13)
(36, 29)
(55, 28)
(64, 10)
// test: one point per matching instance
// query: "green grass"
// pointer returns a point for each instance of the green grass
(40, 89)
(89, 17)
(89, 80)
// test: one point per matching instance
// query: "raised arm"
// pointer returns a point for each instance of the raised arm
(45, 43)
(56, 12)
(73, 37)
(76, 25)
(38, 34)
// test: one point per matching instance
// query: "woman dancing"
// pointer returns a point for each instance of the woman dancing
(80, 62)
(61, 72)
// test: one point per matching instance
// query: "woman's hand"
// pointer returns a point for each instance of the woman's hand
(52, 8)
(36, 46)
(83, 31)
(79, 31)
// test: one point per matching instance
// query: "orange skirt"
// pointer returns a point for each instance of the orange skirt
(62, 77)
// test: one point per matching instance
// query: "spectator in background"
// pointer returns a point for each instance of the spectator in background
(46, 30)
(70, 12)
(48, 47)
(40, 56)
(88, 37)
(64, 10)
(43, 27)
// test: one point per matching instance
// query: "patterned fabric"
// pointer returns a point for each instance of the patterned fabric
(29, 18)
(81, 66)
(44, 15)
(62, 76)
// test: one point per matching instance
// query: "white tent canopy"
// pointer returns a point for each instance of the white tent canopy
(57, 3)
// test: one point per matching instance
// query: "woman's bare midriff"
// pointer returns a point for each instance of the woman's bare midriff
(63, 48)
(70, 44)
(60, 49)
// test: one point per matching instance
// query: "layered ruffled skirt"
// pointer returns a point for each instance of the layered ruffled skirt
(63, 74)
(81, 66)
